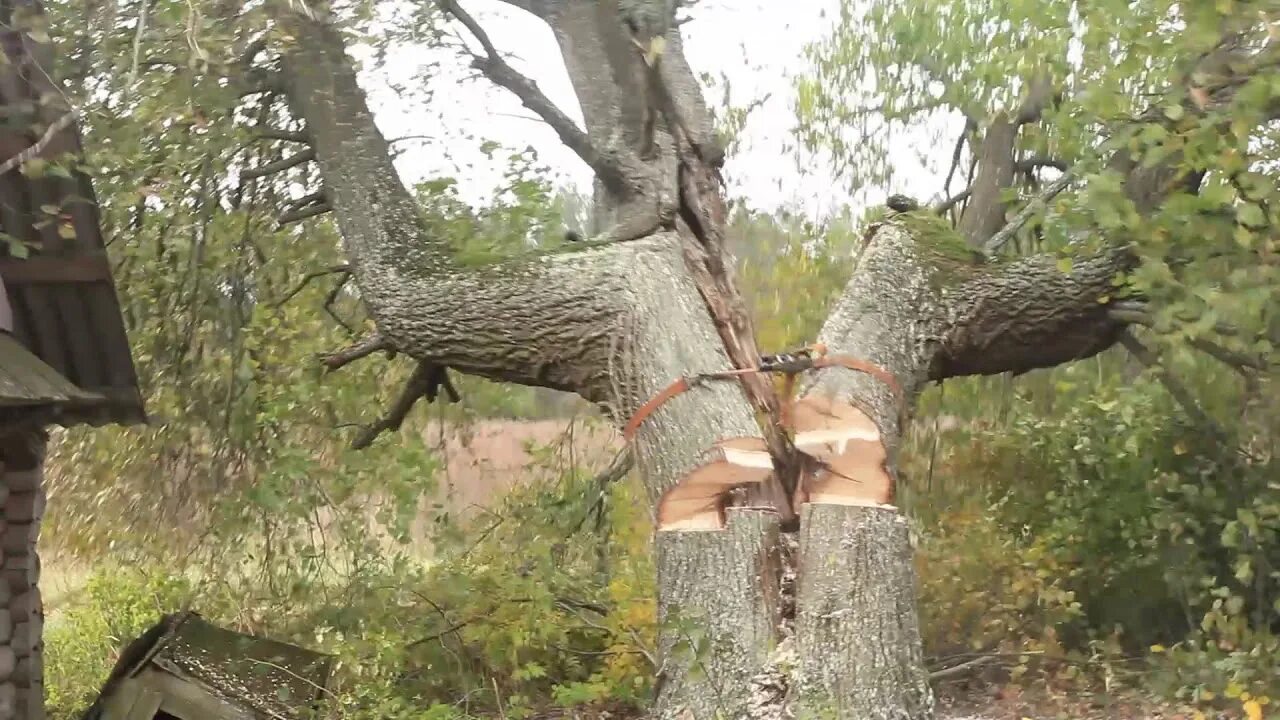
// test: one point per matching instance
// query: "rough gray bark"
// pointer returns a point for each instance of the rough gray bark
(857, 632)
(719, 602)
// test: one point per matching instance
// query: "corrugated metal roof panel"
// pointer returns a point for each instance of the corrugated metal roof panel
(62, 299)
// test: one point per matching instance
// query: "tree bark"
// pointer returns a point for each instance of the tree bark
(618, 322)
(719, 606)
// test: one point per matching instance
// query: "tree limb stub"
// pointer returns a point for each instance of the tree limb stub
(279, 166)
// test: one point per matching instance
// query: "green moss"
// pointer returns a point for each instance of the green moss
(951, 260)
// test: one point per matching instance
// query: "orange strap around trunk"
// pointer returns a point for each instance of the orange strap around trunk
(683, 384)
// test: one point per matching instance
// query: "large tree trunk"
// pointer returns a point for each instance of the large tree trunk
(755, 622)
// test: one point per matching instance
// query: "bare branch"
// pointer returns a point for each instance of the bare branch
(962, 667)
(955, 154)
(1032, 163)
(497, 70)
(1176, 389)
(279, 165)
(364, 348)
(309, 277)
(332, 297)
(58, 126)
(951, 202)
(1011, 228)
(427, 380)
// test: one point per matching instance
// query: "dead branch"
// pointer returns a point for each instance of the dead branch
(427, 380)
(962, 668)
(955, 154)
(364, 348)
(58, 126)
(1176, 389)
(279, 165)
(951, 202)
(1037, 203)
(302, 213)
(309, 277)
(618, 468)
(332, 297)
(498, 71)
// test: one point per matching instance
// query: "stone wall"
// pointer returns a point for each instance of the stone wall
(21, 611)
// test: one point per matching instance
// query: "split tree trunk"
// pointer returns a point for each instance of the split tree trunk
(753, 626)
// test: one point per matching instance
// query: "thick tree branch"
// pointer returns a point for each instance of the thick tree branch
(615, 323)
(302, 213)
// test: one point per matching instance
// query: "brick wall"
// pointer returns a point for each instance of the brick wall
(21, 611)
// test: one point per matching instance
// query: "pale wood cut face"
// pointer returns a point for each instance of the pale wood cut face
(696, 502)
(848, 441)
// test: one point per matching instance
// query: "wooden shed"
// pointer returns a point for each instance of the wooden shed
(189, 669)
(64, 357)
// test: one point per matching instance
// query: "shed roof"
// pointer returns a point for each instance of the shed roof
(62, 301)
(266, 678)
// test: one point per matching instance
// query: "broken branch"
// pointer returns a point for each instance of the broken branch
(1032, 163)
(426, 381)
(951, 202)
(302, 213)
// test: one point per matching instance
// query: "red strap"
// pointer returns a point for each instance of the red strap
(682, 385)
(654, 403)
(863, 366)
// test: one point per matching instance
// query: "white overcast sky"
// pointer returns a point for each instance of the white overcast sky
(757, 44)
